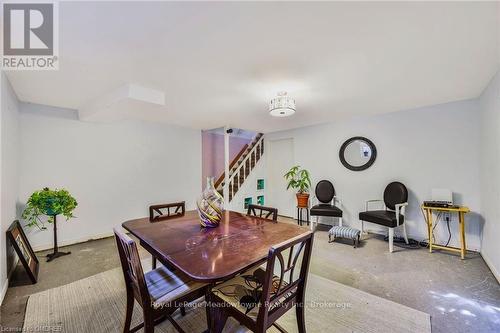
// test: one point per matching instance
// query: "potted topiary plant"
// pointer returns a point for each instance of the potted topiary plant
(300, 180)
(50, 203)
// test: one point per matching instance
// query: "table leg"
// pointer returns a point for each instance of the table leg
(429, 228)
(207, 307)
(462, 235)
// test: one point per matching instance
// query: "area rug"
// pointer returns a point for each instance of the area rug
(97, 304)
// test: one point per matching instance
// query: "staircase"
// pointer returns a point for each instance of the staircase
(241, 166)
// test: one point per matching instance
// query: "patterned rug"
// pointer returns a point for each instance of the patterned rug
(97, 304)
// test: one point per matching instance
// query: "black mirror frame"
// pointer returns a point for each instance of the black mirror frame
(361, 167)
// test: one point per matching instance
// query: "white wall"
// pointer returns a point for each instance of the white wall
(9, 174)
(490, 173)
(115, 170)
(432, 147)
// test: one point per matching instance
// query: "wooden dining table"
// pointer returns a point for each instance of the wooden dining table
(211, 254)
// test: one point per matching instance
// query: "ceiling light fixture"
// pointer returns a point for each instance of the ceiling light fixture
(282, 105)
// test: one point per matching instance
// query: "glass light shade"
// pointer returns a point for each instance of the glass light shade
(282, 105)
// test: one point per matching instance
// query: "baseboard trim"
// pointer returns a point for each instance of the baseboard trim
(492, 268)
(4, 291)
(9, 274)
(399, 232)
(44, 247)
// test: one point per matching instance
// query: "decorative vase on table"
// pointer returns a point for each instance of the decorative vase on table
(210, 205)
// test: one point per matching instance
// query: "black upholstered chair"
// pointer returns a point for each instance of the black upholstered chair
(328, 203)
(393, 213)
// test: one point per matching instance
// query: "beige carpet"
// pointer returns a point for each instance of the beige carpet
(97, 304)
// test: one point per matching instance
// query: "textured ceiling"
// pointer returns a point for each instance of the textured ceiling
(220, 63)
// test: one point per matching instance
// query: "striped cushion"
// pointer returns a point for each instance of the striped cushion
(344, 232)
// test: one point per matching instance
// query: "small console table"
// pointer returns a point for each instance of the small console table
(461, 211)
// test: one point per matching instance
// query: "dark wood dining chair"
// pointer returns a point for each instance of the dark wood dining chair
(258, 297)
(263, 211)
(164, 212)
(159, 292)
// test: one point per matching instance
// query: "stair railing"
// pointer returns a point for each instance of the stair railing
(220, 180)
(243, 169)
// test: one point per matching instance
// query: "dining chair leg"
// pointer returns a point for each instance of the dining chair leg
(391, 240)
(301, 323)
(208, 307)
(153, 263)
(129, 311)
(149, 324)
(404, 233)
(176, 326)
(218, 319)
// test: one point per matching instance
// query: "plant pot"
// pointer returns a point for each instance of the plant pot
(303, 200)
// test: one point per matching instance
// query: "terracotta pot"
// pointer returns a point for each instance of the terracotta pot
(302, 199)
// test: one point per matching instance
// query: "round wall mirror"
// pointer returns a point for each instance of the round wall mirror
(358, 153)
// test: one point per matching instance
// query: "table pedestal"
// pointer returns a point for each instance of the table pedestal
(56, 253)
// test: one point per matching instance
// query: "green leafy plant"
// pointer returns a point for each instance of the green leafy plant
(299, 179)
(48, 202)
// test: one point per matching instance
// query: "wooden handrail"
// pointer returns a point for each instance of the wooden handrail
(233, 162)
(244, 168)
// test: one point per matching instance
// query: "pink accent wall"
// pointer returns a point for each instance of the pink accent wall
(212, 150)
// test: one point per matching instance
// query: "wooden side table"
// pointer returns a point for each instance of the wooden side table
(299, 215)
(461, 211)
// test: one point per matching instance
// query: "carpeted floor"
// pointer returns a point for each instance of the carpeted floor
(96, 304)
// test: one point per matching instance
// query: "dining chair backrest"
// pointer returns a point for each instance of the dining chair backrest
(324, 191)
(262, 211)
(131, 266)
(164, 211)
(395, 193)
(279, 292)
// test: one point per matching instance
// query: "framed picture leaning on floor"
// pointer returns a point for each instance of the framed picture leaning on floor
(24, 250)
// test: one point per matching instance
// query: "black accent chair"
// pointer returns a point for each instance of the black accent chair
(263, 211)
(328, 202)
(393, 214)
